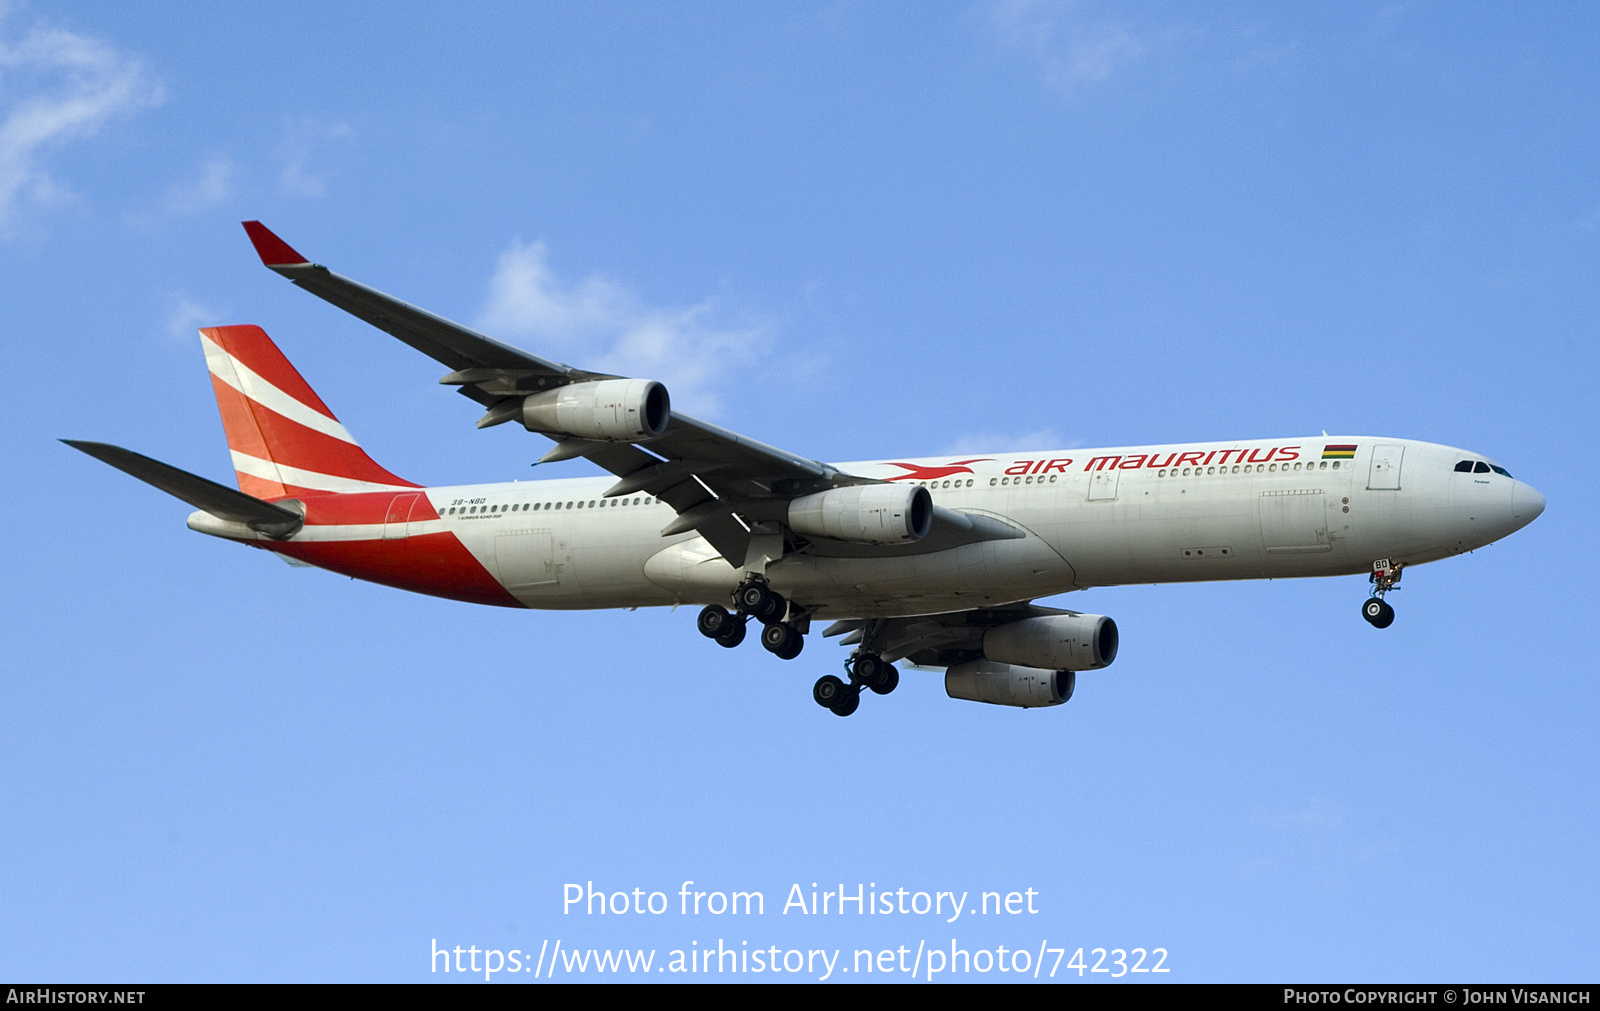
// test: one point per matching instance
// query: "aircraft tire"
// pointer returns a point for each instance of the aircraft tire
(793, 646)
(828, 691)
(761, 602)
(775, 637)
(713, 621)
(733, 635)
(867, 669)
(847, 703)
(1378, 612)
(773, 610)
(888, 682)
(783, 641)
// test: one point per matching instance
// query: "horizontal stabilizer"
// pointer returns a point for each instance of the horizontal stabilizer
(216, 499)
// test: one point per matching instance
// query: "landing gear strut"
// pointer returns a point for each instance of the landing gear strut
(1385, 574)
(867, 670)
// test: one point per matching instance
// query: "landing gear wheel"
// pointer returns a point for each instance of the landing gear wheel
(714, 621)
(867, 669)
(750, 597)
(783, 641)
(760, 602)
(848, 702)
(733, 634)
(828, 691)
(1378, 612)
(888, 682)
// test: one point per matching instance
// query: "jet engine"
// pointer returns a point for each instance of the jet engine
(1054, 642)
(1002, 684)
(865, 513)
(610, 410)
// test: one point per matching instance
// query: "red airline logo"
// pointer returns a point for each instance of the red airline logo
(921, 473)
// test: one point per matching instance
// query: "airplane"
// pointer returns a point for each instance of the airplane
(932, 562)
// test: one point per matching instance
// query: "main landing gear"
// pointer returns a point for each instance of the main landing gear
(754, 599)
(1385, 574)
(866, 670)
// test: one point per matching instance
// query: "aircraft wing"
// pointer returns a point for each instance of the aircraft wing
(718, 481)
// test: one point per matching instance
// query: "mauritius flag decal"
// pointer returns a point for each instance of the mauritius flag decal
(1339, 452)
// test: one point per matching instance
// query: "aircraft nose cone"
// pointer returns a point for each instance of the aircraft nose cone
(1526, 503)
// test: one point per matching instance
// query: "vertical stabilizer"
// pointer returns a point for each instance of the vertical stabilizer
(284, 440)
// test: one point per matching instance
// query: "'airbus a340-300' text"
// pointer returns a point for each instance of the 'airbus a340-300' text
(934, 563)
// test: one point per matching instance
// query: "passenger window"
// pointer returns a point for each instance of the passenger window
(1464, 467)
(1480, 468)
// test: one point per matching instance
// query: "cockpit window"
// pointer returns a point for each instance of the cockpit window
(1479, 467)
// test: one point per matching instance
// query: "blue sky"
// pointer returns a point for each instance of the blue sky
(853, 231)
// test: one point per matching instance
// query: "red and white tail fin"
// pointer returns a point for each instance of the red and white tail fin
(284, 440)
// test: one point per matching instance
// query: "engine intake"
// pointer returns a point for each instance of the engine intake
(610, 410)
(865, 513)
(1054, 642)
(1002, 684)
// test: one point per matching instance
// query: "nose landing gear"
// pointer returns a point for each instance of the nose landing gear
(1376, 610)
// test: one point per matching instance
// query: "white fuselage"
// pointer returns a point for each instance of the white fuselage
(1080, 518)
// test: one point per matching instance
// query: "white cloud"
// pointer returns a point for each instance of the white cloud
(1073, 50)
(603, 327)
(213, 185)
(995, 442)
(300, 144)
(187, 315)
(59, 87)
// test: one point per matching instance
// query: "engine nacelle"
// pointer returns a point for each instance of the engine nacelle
(610, 410)
(1054, 642)
(1002, 684)
(865, 513)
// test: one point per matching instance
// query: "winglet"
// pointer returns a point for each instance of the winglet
(274, 252)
